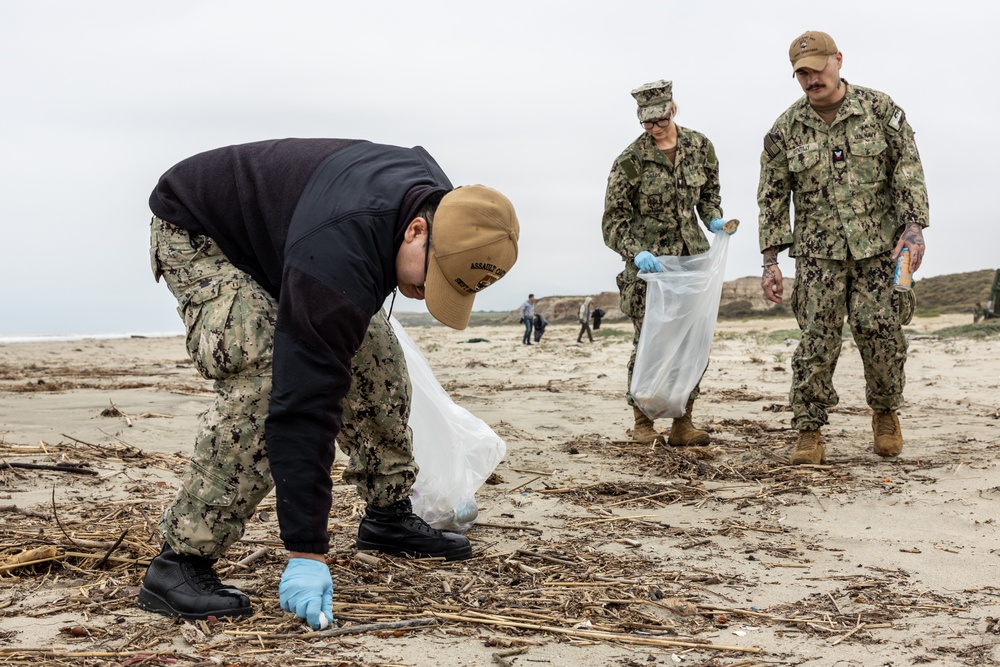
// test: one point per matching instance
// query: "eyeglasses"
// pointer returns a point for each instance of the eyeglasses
(659, 122)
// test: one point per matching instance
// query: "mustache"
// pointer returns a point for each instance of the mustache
(815, 86)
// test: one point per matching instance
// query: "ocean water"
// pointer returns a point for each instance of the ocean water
(70, 337)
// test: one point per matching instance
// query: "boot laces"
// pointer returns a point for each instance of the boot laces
(204, 576)
(807, 441)
(416, 523)
(402, 514)
(885, 424)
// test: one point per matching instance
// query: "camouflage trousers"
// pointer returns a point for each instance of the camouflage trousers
(633, 304)
(229, 321)
(826, 291)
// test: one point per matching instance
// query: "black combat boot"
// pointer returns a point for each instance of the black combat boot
(188, 586)
(396, 530)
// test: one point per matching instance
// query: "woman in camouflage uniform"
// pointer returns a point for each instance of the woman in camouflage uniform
(658, 189)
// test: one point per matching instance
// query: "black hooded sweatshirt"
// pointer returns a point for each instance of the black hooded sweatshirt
(318, 223)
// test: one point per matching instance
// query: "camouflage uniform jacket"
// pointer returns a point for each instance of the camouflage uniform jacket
(855, 183)
(650, 204)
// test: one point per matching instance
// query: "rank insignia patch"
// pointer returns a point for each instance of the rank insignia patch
(896, 121)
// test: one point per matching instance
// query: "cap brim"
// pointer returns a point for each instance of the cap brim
(655, 112)
(448, 306)
(817, 63)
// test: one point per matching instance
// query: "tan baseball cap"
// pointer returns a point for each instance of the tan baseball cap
(474, 241)
(811, 49)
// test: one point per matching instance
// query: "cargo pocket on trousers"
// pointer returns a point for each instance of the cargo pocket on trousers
(230, 327)
(209, 488)
(205, 315)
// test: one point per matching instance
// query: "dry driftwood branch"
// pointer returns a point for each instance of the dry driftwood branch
(117, 559)
(368, 559)
(29, 557)
(501, 657)
(376, 627)
(585, 634)
(857, 628)
(638, 517)
(55, 514)
(11, 468)
(99, 564)
(18, 510)
(551, 559)
(82, 442)
(255, 556)
(58, 467)
(508, 526)
(521, 486)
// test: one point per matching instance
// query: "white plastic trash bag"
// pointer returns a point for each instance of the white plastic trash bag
(682, 305)
(456, 450)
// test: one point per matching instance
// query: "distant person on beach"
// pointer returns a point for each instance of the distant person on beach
(658, 188)
(527, 313)
(584, 317)
(598, 316)
(280, 254)
(540, 324)
(845, 158)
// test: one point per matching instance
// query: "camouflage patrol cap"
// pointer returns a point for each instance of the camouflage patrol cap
(656, 100)
(811, 49)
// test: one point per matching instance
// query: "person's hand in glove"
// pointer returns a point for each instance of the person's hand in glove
(647, 262)
(306, 589)
(717, 225)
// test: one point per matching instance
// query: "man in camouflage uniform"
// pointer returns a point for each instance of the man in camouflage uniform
(280, 254)
(655, 188)
(848, 157)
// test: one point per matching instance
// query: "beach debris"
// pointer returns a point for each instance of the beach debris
(76, 468)
(193, 634)
(28, 557)
(501, 657)
(75, 631)
(571, 576)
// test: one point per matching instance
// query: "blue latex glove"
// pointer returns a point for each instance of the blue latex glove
(647, 262)
(716, 226)
(306, 589)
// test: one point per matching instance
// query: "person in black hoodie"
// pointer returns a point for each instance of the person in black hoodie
(539, 326)
(598, 315)
(280, 254)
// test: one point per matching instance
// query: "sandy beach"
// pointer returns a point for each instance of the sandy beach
(589, 550)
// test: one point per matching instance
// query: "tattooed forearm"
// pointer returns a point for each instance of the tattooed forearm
(770, 275)
(771, 279)
(770, 256)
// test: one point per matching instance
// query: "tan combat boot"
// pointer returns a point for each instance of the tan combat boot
(808, 449)
(888, 435)
(643, 431)
(684, 434)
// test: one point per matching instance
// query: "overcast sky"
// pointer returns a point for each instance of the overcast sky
(532, 98)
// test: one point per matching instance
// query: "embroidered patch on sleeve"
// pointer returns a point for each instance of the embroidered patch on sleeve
(771, 146)
(896, 120)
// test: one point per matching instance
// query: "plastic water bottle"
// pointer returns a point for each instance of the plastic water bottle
(902, 280)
